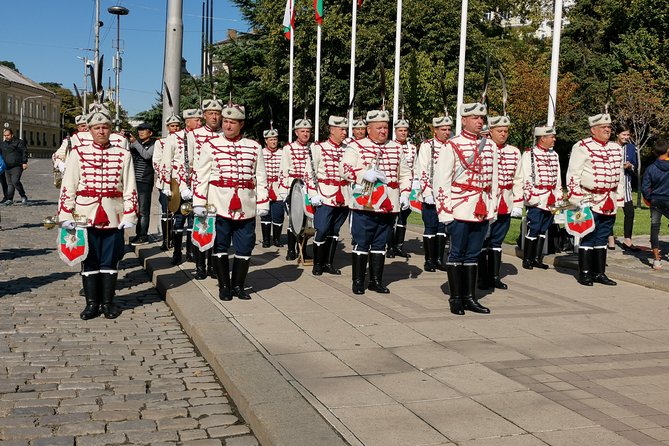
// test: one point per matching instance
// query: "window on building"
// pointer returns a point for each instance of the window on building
(32, 141)
(53, 139)
(44, 138)
(16, 107)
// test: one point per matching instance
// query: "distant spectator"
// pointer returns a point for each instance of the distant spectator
(16, 157)
(655, 189)
(142, 154)
(630, 168)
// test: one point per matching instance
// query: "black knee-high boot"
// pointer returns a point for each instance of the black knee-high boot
(376, 264)
(108, 283)
(240, 268)
(292, 241)
(528, 253)
(320, 250)
(92, 292)
(222, 267)
(329, 267)
(538, 261)
(455, 280)
(400, 234)
(494, 265)
(482, 279)
(200, 264)
(266, 229)
(469, 301)
(430, 246)
(585, 266)
(599, 268)
(276, 235)
(359, 264)
(441, 250)
(178, 238)
(189, 247)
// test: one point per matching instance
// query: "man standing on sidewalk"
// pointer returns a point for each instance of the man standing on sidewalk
(16, 158)
(655, 188)
(142, 154)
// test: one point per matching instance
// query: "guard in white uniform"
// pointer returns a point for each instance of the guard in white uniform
(397, 236)
(272, 223)
(229, 173)
(595, 177)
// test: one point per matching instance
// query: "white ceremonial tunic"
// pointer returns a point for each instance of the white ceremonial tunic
(230, 174)
(99, 183)
(294, 162)
(510, 179)
(428, 155)
(542, 184)
(388, 158)
(161, 173)
(595, 173)
(465, 180)
(181, 162)
(273, 170)
(327, 182)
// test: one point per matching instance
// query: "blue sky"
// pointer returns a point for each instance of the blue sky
(45, 37)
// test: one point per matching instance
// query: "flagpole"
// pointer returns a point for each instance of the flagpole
(555, 58)
(317, 114)
(396, 83)
(290, 85)
(351, 90)
(461, 65)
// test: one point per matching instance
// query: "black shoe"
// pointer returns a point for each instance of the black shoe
(24, 201)
(292, 255)
(390, 252)
(474, 306)
(140, 240)
(276, 235)
(177, 258)
(585, 279)
(604, 280)
(9, 202)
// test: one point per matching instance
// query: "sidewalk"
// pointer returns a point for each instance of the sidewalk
(555, 363)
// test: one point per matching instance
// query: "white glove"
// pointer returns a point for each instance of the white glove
(404, 202)
(370, 175)
(316, 200)
(381, 176)
(262, 212)
(125, 224)
(68, 224)
(186, 194)
(167, 192)
(199, 211)
(516, 212)
(283, 197)
(61, 166)
(428, 199)
(415, 185)
(358, 189)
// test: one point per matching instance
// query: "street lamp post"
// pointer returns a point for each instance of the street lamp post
(23, 103)
(62, 121)
(118, 11)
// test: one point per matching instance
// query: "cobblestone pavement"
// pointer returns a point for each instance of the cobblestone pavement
(63, 381)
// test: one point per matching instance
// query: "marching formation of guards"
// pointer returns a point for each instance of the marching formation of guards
(467, 186)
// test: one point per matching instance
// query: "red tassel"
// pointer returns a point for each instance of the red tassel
(235, 203)
(551, 199)
(503, 209)
(387, 206)
(339, 197)
(272, 194)
(609, 206)
(101, 218)
(481, 210)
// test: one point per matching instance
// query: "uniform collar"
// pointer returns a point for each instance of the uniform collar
(540, 147)
(209, 129)
(602, 143)
(469, 135)
(100, 147)
(443, 142)
(235, 139)
(334, 143)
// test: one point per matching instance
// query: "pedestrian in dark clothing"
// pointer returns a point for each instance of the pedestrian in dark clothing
(16, 158)
(655, 189)
(142, 154)
(630, 168)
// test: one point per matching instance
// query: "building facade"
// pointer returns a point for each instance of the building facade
(22, 99)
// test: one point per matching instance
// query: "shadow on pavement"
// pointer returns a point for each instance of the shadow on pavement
(13, 253)
(269, 278)
(24, 284)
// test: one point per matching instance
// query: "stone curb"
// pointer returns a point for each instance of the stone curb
(277, 413)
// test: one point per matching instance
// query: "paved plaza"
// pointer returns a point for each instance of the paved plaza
(308, 363)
